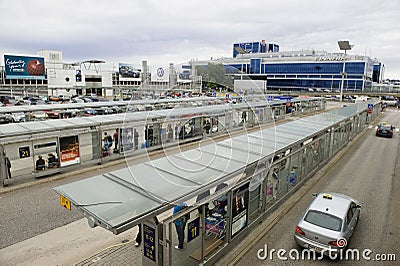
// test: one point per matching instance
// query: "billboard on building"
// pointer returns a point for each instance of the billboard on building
(160, 74)
(128, 72)
(24, 67)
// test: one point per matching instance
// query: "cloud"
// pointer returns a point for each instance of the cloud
(177, 31)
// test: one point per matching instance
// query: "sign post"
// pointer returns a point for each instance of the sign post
(152, 249)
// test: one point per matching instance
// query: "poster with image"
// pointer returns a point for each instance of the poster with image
(126, 140)
(240, 200)
(69, 150)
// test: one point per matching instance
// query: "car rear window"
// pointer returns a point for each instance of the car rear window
(324, 220)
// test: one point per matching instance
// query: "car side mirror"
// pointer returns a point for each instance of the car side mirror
(358, 206)
(314, 195)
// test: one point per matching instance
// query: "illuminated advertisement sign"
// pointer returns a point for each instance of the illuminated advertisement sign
(69, 150)
(24, 67)
(240, 201)
(149, 247)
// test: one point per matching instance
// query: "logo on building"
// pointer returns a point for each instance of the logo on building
(160, 72)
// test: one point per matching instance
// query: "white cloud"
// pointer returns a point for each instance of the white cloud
(177, 31)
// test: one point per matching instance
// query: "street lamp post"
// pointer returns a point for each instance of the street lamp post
(344, 46)
(342, 83)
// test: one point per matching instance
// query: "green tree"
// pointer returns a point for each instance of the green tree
(214, 75)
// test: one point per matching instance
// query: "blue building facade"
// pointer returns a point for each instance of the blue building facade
(255, 65)
(254, 47)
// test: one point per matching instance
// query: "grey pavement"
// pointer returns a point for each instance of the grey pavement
(74, 244)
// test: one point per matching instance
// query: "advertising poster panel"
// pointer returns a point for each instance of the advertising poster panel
(126, 140)
(69, 150)
(24, 67)
(128, 72)
(240, 200)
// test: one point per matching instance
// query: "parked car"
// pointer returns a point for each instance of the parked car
(54, 114)
(104, 110)
(76, 100)
(37, 115)
(5, 118)
(328, 223)
(89, 112)
(384, 130)
(18, 117)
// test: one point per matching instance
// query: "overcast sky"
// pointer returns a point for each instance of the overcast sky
(176, 31)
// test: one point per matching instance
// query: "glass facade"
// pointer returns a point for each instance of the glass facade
(255, 65)
(314, 68)
(254, 47)
(377, 72)
(309, 75)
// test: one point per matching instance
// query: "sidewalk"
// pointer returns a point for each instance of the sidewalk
(74, 244)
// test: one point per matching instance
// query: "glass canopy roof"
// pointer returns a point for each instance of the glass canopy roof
(129, 195)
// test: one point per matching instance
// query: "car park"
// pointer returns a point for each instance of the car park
(328, 223)
(384, 130)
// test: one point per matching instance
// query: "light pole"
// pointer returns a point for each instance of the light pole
(342, 83)
(344, 45)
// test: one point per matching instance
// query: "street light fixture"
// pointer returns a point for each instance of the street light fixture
(344, 46)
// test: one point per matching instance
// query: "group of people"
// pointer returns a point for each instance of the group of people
(108, 142)
(52, 162)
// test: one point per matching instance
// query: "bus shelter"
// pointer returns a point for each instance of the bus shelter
(228, 186)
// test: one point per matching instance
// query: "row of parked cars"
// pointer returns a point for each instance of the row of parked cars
(37, 100)
(6, 118)
(69, 113)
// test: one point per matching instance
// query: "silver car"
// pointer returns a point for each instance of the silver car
(328, 223)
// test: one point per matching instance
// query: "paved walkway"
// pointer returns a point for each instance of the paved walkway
(74, 244)
(123, 254)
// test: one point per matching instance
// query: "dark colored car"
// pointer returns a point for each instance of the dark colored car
(384, 130)
(89, 112)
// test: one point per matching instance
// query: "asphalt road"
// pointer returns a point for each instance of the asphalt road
(369, 172)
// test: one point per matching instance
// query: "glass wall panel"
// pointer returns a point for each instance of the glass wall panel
(254, 204)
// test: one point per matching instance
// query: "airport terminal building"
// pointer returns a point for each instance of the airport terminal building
(255, 67)
(260, 66)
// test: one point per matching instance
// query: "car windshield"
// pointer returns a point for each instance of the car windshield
(324, 220)
(385, 127)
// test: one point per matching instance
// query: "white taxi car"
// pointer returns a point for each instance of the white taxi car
(328, 223)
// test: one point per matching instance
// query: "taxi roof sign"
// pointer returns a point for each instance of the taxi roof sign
(327, 196)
